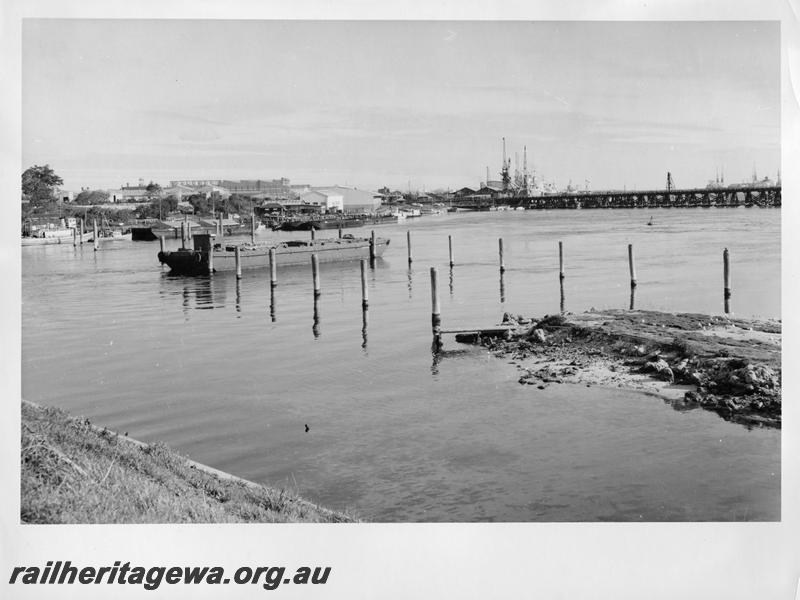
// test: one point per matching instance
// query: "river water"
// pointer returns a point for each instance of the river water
(207, 366)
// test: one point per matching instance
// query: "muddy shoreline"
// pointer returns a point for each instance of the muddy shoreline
(729, 366)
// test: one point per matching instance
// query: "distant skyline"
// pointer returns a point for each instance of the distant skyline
(399, 103)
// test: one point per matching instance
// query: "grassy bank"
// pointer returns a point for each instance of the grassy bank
(729, 366)
(74, 472)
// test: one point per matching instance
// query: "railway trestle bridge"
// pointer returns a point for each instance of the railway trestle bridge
(762, 196)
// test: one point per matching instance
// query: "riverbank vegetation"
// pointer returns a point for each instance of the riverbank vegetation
(75, 472)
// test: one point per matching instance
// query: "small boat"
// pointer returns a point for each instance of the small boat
(47, 237)
(410, 212)
(195, 261)
(115, 235)
(650, 222)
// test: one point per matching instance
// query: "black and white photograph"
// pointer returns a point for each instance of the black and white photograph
(319, 300)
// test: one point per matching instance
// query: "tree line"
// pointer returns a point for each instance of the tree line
(40, 196)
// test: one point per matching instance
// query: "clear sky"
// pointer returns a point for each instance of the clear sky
(107, 102)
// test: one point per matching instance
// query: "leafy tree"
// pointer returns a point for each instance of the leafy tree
(158, 208)
(91, 197)
(200, 203)
(39, 184)
(96, 212)
(154, 195)
(170, 203)
(147, 211)
(112, 214)
(153, 190)
(239, 204)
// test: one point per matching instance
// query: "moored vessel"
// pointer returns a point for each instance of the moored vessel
(55, 236)
(206, 256)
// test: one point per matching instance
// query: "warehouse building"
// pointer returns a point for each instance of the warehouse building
(353, 200)
(325, 199)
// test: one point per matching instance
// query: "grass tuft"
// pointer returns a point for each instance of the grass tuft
(72, 472)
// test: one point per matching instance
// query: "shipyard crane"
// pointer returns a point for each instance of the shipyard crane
(504, 172)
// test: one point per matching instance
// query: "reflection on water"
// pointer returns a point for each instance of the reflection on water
(185, 301)
(502, 287)
(315, 329)
(451, 281)
(272, 301)
(238, 295)
(436, 358)
(364, 323)
(204, 293)
(439, 354)
(201, 292)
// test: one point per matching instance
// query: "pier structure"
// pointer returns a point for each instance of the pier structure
(761, 196)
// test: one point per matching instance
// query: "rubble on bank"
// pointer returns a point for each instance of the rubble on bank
(730, 366)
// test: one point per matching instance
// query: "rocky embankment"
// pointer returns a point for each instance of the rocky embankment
(730, 366)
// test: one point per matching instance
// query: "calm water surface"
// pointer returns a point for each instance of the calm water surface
(209, 367)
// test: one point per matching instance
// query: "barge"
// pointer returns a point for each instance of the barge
(208, 257)
(319, 224)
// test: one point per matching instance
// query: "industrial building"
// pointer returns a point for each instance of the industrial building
(325, 199)
(353, 200)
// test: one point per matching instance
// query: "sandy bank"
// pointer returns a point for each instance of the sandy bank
(730, 366)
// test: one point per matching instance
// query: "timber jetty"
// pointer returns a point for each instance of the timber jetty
(748, 196)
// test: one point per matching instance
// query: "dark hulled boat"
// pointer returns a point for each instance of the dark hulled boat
(222, 257)
(320, 224)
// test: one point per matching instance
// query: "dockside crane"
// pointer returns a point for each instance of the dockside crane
(506, 178)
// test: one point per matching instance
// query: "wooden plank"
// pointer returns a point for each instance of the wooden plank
(502, 328)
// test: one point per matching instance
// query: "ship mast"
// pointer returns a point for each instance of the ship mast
(525, 170)
(504, 172)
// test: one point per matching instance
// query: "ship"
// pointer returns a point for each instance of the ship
(172, 229)
(317, 224)
(206, 256)
(334, 223)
